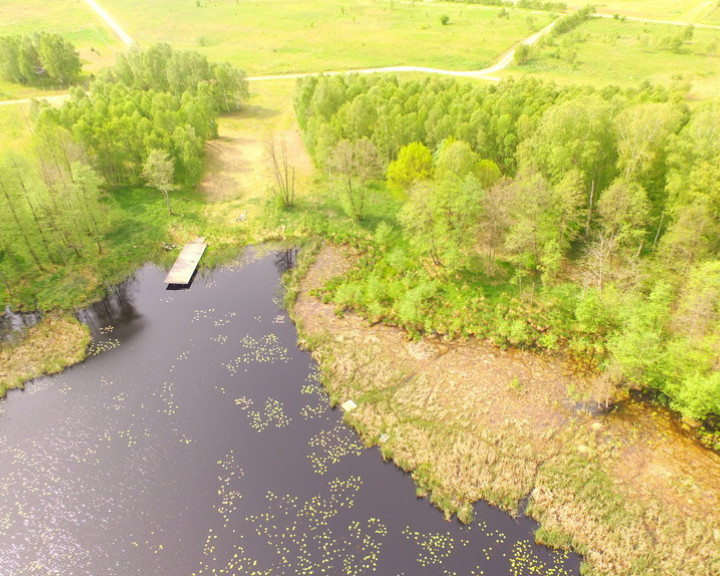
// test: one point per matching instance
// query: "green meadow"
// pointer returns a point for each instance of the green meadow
(682, 10)
(608, 51)
(298, 36)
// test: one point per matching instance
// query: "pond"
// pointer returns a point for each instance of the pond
(196, 439)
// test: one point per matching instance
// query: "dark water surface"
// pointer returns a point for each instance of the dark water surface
(196, 440)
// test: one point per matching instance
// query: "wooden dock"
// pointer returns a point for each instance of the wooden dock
(186, 263)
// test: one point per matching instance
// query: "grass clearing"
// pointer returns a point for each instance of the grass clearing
(608, 51)
(298, 36)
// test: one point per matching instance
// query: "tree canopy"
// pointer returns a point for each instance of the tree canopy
(40, 59)
(542, 216)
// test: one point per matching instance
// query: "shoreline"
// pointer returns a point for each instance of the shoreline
(469, 421)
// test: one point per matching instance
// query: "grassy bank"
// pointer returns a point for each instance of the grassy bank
(469, 421)
(56, 342)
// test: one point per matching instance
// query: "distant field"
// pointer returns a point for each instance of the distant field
(303, 36)
(682, 10)
(608, 51)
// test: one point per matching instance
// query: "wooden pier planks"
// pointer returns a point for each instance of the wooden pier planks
(186, 262)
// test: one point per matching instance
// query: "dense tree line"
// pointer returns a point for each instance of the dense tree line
(154, 99)
(40, 59)
(52, 208)
(145, 121)
(541, 216)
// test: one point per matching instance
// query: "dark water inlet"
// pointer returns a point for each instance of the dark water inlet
(196, 440)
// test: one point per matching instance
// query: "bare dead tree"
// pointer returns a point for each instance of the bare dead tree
(284, 188)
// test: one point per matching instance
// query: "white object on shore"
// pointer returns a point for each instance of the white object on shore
(348, 406)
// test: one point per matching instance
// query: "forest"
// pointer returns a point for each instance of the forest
(40, 59)
(572, 220)
(142, 124)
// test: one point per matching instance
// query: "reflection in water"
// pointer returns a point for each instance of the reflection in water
(198, 440)
(115, 309)
(14, 324)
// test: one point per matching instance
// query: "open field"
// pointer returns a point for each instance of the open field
(608, 51)
(682, 10)
(299, 36)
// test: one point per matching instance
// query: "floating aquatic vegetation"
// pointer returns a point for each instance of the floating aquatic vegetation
(99, 346)
(524, 560)
(225, 320)
(107, 329)
(272, 415)
(202, 315)
(311, 411)
(363, 546)
(313, 384)
(118, 401)
(485, 530)
(221, 339)
(313, 387)
(40, 385)
(230, 472)
(331, 446)
(167, 396)
(279, 319)
(5, 523)
(304, 543)
(435, 547)
(244, 402)
(264, 350)
(129, 436)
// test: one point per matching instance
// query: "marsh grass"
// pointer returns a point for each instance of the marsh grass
(56, 342)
